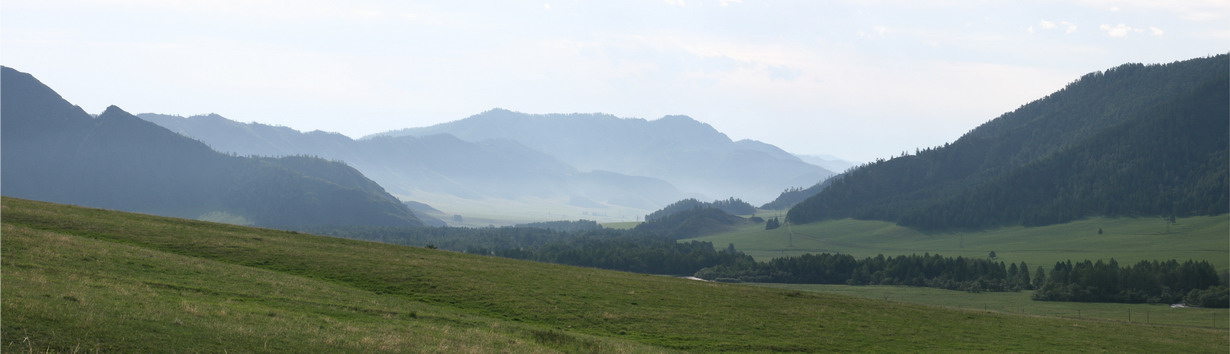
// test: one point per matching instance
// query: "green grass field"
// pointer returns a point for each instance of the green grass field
(621, 225)
(1020, 303)
(80, 279)
(1124, 239)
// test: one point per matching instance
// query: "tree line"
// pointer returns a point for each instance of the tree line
(959, 273)
(1195, 283)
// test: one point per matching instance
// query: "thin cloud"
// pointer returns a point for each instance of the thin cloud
(1194, 11)
(1119, 30)
(1068, 27)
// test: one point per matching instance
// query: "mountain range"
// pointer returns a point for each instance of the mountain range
(466, 167)
(443, 171)
(689, 154)
(1135, 140)
(55, 151)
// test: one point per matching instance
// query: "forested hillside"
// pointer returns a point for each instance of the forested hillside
(793, 196)
(54, 151)
(1135, 140)
(733, 206)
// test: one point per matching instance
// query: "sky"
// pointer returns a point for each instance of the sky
(854, 79)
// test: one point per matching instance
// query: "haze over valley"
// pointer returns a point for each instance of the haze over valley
(614, 177)
(522, 167)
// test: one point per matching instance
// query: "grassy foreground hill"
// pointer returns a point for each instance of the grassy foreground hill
(88, 279)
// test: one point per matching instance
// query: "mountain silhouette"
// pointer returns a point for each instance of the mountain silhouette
(55, 151)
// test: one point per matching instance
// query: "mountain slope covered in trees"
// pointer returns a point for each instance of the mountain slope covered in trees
(689, 154)
(54, 151)
(1135, 140)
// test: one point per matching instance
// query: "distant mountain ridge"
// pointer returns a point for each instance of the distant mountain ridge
(829, 162)
(54, 151)
(1135, 140)
(439, 169)
(689, 154)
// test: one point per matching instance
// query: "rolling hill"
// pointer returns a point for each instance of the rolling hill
(55, 151)
(1136, 140)
(88, 279)
(689, 154)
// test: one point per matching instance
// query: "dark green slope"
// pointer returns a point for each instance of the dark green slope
(1136, 140)
(691, 223)
(54, 151)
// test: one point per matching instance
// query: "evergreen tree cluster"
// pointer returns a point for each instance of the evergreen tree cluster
(927, 270)
(565, 226)
(1146, 282)
(691, 223)
(773, 223)
(1136, 140)
(639, 253)
(732, 206)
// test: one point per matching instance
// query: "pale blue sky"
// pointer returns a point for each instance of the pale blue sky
(855, 79)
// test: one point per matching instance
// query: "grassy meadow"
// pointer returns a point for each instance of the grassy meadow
(624, 225)
(1020, 303)
(1127, 240)
(81, 279)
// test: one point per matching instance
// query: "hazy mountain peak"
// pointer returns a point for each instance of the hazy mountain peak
(211, 117)
(676, 148)
(497, 110)
(41, 102)
(678, 118)
(112, 112)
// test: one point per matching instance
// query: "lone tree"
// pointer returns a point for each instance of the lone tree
(992, 255)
